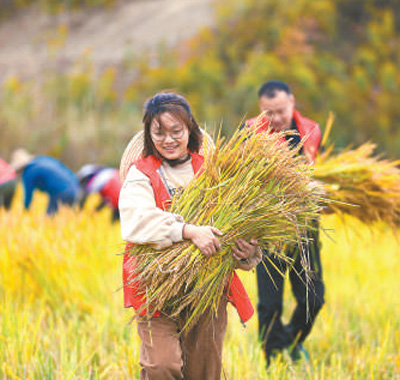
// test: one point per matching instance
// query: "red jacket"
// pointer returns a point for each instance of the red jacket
(111, 189)
(308, 129)
(7, 173)
(132, 298)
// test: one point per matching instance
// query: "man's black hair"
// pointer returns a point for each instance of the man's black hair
(269, 89)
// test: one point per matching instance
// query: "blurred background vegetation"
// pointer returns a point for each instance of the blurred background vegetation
(337, 55)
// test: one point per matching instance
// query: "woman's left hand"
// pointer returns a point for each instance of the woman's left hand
(244, 249)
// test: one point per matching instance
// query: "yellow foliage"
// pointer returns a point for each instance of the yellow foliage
(58, 39)
(11, 85)
(105, 86)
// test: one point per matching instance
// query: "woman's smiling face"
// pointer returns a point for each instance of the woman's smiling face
(170, 136)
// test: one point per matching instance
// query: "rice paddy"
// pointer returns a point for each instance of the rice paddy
(61, 315)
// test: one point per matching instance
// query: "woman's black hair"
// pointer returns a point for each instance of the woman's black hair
(178, 107)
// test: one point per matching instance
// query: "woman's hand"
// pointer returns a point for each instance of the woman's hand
(244, 249)
(203, 237)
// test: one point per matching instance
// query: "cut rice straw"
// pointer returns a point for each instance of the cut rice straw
(252, 187)
(361, 185)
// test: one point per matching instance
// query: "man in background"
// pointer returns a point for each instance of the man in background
(276, 99)
(48, 175)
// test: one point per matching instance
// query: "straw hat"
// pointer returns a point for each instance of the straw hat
(20, 158)
(135, 147)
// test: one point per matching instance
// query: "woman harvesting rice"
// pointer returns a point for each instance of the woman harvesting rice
(170, 160)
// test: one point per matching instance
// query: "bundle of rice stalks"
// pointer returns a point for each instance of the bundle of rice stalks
(361, 185)
(252, 186)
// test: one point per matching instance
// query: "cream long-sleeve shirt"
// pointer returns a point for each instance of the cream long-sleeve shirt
(142, 222)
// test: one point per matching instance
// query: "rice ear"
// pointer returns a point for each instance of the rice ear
(362, 185)
(252, 186)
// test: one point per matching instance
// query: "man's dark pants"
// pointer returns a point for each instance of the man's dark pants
(309, 295)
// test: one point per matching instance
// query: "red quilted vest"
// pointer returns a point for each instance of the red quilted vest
(132, 297)
(308, 129)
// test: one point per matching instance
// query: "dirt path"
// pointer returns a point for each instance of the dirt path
(32, 43)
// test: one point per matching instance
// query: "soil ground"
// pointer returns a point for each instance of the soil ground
(32, 43)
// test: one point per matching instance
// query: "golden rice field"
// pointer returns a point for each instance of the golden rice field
(61, 315)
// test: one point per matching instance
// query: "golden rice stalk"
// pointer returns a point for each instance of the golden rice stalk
(252, 186)
(361, 185)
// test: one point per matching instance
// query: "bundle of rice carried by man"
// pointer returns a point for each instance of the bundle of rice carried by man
(361, 185)
(252, 186)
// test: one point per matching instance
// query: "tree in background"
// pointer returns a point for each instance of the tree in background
(336, 55)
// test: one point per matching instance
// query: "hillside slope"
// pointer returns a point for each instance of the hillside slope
(32, 43)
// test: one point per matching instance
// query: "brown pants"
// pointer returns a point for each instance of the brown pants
(194, 355)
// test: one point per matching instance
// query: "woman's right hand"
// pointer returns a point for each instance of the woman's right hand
(203, 237)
